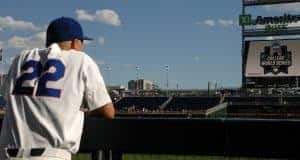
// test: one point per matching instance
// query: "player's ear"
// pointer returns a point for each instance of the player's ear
(73, 44)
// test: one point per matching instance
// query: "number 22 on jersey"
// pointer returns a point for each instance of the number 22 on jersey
(42, 75)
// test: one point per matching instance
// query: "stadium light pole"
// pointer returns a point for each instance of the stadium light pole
(167, 68)
(137, 68)
(108, 70)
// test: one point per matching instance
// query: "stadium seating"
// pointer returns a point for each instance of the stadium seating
(140, 103)
(176, 104)
(192, 103)
(252, 100)
(263, 107)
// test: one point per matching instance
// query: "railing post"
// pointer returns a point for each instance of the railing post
(101, 155)
(106, 155)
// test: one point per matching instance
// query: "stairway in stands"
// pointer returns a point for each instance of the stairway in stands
(166, 103)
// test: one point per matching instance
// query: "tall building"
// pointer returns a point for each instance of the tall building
(140, 84)
(132, 85)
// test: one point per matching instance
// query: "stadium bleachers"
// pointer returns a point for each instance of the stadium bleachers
(252, 100)
(140, 103)
(292, 100)
(236, 106)
(175, 104)
(192, 103)
(264, 107)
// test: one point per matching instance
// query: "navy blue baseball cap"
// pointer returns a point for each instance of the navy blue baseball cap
(64, 29)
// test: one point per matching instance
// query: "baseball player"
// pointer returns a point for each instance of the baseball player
(44, 91)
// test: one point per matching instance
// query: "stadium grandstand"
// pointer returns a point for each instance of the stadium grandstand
(171, 106)
(210, 106)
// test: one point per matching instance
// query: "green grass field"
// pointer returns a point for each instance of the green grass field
(167, 157)
(81, 157)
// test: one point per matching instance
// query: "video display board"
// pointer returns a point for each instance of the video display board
(276, 58)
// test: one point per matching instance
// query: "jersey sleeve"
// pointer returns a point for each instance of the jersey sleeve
(95, 93)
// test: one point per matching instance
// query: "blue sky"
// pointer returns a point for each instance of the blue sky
(200, 41)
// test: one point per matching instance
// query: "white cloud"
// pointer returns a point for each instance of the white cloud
(83, 15)
(87, 42)
(290, 7)
(210, 22)
(220, 22)
(101, 41)
(11, 23)
(35, 41)
(40, 36)
(6, 61)
(196, 58)
(225, 23)
(16, 42)
(106, 16)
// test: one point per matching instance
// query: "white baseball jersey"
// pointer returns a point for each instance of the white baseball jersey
(44, 91)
